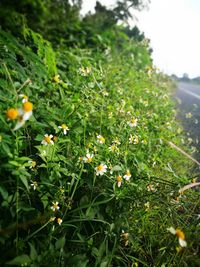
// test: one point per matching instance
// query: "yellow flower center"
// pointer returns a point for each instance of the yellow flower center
(100, 168)
(128, 173)
(89, 160)
(59, 220)
(27, 106)
(133, 121)
(47, 139)
(180, 234)
(102, 139)
(64, 126)
(55, 206)
(12, 114)
(119, 178)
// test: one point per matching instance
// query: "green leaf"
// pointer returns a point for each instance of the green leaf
(60, 243)
(3, 192)
(79, 260)
(19, 260)
(6, 149)
(33, 252)
(24, 181)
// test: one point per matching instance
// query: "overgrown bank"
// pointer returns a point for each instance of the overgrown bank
(87, 175)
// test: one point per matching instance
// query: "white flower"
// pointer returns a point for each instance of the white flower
(34, 184)
(24, 98)
(127, 176)
(116, 141)
(85, 71)
(133, 139)
(180, 234)
(55, 206)
(64, 127)
(119, 180)
(101, 169)
(47, 140)
(100, 139)
(59, 221)
(113, 148)
(24, 114)
(88, 158)
(19, 124)
(32, 164)
(133, 122)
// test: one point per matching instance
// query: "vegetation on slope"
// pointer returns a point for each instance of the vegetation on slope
(87, 175)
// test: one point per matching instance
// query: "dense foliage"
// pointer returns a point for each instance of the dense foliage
(87, 175)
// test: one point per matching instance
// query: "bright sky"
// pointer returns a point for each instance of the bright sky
(173, 28)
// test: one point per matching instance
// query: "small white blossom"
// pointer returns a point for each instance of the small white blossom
(88, 158)
(64, 127)
(24, 98)
(127, 176)
(119, 180)
(101, 169)
(55, 206)
(133, 122)
(34, 184)
(100, 139)
(47, 140)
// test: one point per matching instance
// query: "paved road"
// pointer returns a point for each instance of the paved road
(188, 96)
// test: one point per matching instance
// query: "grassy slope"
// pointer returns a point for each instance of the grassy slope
(103, 224)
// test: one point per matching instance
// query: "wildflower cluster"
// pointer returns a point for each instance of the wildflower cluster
(22, 114)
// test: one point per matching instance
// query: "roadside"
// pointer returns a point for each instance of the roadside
(188, 103)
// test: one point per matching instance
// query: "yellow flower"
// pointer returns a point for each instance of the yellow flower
(12, 114)
(27, 106)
